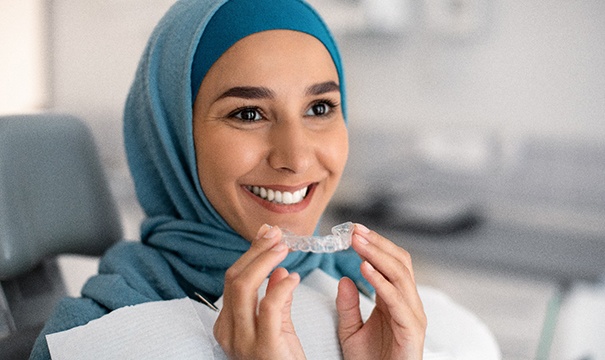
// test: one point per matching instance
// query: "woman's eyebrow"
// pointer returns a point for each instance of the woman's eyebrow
(260, 92)
(322, 88)
(248, 92)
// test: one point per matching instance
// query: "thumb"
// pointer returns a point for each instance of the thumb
(347, 306)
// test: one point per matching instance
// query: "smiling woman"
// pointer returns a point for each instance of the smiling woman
(235, 127)
(284, 136)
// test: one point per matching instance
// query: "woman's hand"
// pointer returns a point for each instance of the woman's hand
(397, 325)
(241, 330)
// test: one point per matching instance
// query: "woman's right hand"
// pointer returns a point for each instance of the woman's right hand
(241, 330)
(396, 328)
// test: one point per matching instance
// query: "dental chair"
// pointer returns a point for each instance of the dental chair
(54, 199)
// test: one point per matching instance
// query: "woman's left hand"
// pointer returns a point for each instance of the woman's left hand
(397, 326)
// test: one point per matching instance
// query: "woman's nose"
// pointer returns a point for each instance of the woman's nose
(292, 147)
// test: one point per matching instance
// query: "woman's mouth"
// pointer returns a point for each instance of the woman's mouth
(279, 197)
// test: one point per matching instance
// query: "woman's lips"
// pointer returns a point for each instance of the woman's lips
(281, 201)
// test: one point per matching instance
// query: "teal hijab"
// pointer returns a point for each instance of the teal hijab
(182, 229)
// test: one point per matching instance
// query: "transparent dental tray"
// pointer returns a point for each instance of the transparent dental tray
(340, 239)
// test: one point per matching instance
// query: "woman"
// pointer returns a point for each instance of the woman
(236, 119)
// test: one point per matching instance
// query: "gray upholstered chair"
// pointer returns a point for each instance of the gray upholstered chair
(54, 199)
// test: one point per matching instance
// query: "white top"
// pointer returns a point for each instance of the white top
(182, 329)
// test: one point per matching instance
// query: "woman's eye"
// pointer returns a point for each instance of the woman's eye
(319, 109)
(247, 114)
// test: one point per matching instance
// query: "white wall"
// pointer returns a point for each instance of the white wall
(535, 67)
(96, 48)
(23, 45)
(538, 67)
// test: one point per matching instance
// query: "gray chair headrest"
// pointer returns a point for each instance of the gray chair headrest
(54, 196)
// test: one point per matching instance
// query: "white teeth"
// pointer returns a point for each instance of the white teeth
(297, 197)
(279, 197)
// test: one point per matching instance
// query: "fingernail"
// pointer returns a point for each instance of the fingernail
(361, 239)
(294, 276)
(369, 266)
(362, 228)
(263, 229)
(273, 231)
(280, 246)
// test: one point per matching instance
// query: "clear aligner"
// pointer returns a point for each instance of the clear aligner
(340, 239)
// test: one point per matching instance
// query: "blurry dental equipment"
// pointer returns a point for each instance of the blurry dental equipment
(206, 302)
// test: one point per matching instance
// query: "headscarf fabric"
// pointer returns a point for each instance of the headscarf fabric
(182, 226)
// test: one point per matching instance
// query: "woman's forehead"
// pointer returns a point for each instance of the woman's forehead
(272, 46)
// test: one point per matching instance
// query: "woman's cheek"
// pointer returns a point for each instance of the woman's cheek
(335, 155)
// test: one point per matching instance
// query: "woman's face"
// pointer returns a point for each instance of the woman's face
(270, 138)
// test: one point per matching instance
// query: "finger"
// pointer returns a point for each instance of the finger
(391, 269)
(277, 275)
(241, 290)
(242, 284)
(347, 306)
(391, 260)
(252, 268)
(384, 244)
(266, 238)
(274, 310)
(402, 307)
(397, 271)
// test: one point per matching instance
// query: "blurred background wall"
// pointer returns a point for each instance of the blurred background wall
(513, 66)
(517, 67)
